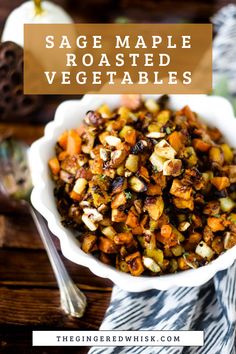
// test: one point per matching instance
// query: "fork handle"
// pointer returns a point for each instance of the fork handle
(73, 301)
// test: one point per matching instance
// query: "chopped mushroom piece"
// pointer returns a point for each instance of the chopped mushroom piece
(89, 223)
(155, 135)
(118, 185)
(204, 250)
(104, 154)
(157, 162)
(93, 214)
(172, 167)
(164, 149)
(112, 140)
(117, 157)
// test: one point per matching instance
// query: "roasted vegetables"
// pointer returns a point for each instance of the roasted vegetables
(150, 190)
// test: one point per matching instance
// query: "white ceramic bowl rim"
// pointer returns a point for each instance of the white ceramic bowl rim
(216, 111)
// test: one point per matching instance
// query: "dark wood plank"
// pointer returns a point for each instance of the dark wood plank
(42, 307)
(8, 206)
(22, 342)
(32, 268)
(19, 231)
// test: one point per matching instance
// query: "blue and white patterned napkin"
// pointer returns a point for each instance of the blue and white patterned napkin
(210, 307)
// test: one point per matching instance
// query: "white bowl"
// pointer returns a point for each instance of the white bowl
(216, 111)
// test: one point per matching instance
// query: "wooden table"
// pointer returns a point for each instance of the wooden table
(29, 298)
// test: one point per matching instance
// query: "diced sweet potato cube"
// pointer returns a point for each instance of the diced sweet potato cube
(154, 189)
(54, 165)
(76, 196)
(214, 134)
(119, 199)
(178, 189)
(104, 258)
(137, 230)
(189, 114)
(96, 166)
(143, 172)
(62, 141)
(216, 155)
(88, 243)
(197, 221)
(220, 182)
(216, 224)
(167, 236)
(166, 231)
(201, 145)
(130, 137)
(123, 238)
(195, 238)
(135, 264)
(176, 140)
(81, 129)
(73, 143)
(184, 204)
(132, 220)
(106, 245)
(62, 155)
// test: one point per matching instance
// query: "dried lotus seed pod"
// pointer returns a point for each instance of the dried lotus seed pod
(13, 102)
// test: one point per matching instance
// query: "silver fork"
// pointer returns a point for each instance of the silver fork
(15, 182)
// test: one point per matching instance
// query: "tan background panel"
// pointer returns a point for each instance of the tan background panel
(197, 60)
